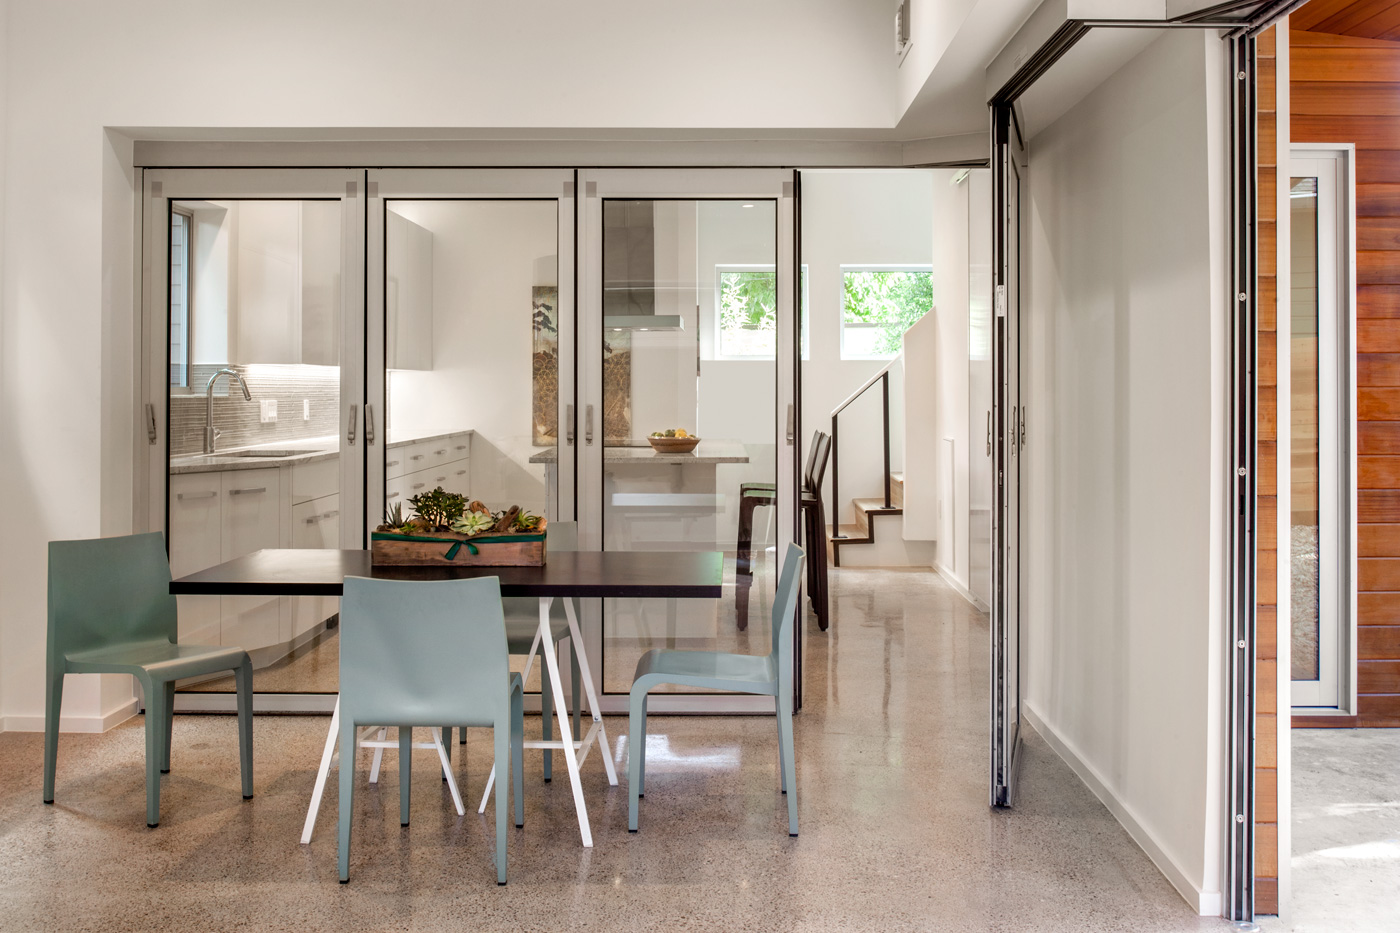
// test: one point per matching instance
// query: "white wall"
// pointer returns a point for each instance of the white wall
(1123, 544)
(67, 361)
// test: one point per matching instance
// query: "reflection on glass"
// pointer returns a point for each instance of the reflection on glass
(689, 335)
(254, 325)
(1303, 373)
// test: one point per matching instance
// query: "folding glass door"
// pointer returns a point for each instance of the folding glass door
(255, 322)
(1008, 443)
(686, 328)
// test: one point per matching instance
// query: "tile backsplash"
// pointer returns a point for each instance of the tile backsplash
(291, 386)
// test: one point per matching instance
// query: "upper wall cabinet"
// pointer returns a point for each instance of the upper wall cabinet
(285, 294)
(408, 298)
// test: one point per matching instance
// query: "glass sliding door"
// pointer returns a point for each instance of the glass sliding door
(252, 308)
(687, 330)
(470, 346)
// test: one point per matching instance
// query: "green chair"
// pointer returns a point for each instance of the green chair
(419, 654)
(765, 675)
(111, 612)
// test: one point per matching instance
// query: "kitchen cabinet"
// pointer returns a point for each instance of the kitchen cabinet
(420, 466)
(285, 290)
(408, 294)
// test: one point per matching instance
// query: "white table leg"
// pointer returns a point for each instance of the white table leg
(321, 774)
(577, 637)
(551, 661)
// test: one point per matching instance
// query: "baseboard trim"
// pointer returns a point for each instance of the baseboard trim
(957, 586)
(1205, 903)
(113, 717)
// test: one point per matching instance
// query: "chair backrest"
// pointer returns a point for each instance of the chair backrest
(821, 444)
(811, 462)
(109, 591)
(560, 536)
(417, 653)
(784, 609)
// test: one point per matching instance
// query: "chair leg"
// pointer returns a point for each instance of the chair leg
(787, 753)
(405, 771)
(243, 683)
(817, 557)
(636, 751)
(346, 805)
(517, 754)
(502, 739)
(169, 726)
(446, 742)
(155, 731)
(576, 687)
(642, 767)
(53, 706)
(546, 726)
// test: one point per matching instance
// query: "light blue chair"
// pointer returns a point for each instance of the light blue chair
(111, 612)
(421, 654)
(765, 675)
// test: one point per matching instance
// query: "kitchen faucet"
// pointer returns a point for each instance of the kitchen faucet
(211, 432)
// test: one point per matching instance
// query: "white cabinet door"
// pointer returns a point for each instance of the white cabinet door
(195, 507)
(320, 282)
(408, 294)
(266, 305)
(315, 524)
(252, 520)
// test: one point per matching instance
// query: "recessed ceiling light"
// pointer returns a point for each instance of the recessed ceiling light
(748, 205)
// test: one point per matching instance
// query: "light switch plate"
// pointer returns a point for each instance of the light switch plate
(268, 409)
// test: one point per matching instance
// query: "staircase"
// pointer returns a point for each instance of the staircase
(858, 544)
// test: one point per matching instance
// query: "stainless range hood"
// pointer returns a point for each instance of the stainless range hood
(629, 268)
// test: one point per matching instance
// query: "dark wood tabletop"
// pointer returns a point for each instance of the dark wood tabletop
(314, 572)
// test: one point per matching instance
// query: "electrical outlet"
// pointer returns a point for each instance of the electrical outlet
(268, 409)
(306, 409)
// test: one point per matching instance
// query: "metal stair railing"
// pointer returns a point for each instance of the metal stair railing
(882, 377)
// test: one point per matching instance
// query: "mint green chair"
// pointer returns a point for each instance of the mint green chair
(111, 612)
(421, 654)
(765, 675)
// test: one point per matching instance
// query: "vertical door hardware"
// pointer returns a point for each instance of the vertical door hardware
(791, 424)
(1001, 301)
(569, 425)
(989, 432)
(1023, 428)
(150, 423)
(1015, 414)
(588, 421)
(369, 423)
(354, 421)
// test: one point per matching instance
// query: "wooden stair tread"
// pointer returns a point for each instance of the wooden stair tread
(854, 534)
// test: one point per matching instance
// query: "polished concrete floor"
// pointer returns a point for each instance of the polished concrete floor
(1346, 830)
(896, 831)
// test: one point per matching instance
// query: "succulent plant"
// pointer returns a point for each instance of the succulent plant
(527, 522)
(438, 507)
(473, 523)
(393, 515)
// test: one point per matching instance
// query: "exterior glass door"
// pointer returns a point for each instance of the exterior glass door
(255, 318)
(687, 330)
(1008, 443)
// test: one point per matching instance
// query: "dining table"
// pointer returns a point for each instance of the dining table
(566, 575)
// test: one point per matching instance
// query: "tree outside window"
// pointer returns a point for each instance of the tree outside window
(748, 313)
(878, 306)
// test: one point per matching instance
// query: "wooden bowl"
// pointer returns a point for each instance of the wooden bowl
(673, 445)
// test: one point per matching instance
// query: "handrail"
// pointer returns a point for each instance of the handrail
(883, 376)
(868, 383)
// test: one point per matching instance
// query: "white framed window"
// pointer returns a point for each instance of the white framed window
(746, 312)
(1321, 351)
(181, 270)
(878, 304)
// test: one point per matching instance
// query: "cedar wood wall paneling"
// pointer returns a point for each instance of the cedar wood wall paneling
(1347, 89)
(1266, 521)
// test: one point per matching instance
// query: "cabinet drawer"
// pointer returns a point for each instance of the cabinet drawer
(316, 524)
(314, 480)
(196, 508)
(252, 511)
(423, 481)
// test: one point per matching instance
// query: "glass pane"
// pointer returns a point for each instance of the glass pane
(254, 431)
(1303, 372)
(666, 295)
(878, 306)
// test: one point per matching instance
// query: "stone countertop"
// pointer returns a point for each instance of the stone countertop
(288, 453)
(641, 453)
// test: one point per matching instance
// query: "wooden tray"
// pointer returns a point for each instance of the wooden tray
(446, 548)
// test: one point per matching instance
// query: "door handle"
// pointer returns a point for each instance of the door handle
(1015, 431)
(588, 425)
(150, 423)
(791, 424)
(354, 422)
(369, 424)
(569, 425)
(247, 491)
(1022, 440)
(182, 496)
(989, 433)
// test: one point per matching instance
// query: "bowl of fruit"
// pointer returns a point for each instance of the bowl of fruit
(674, 441)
